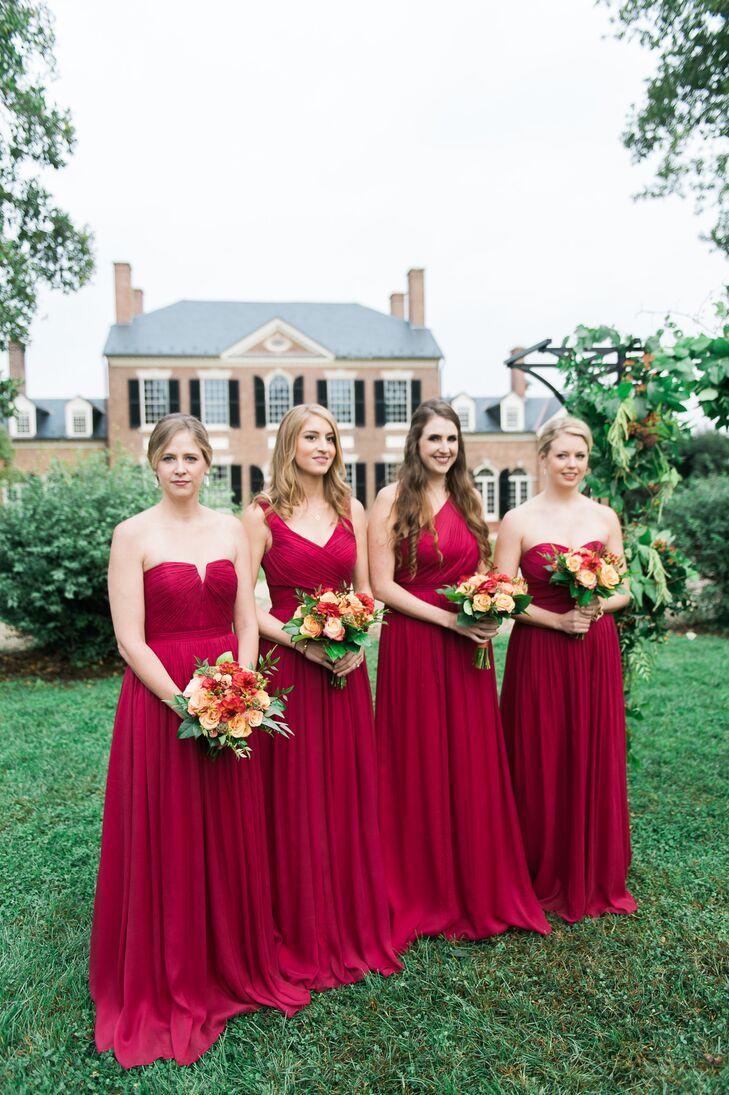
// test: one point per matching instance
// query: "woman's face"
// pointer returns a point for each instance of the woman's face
(182, 466)
(438, 445)
(566, 460)
(315, 446)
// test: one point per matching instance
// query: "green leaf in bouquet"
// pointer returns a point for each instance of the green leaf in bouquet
(188, 729)
(521, 603)
(467, 608)
(334, 649)
(226, 657)
(463, 620)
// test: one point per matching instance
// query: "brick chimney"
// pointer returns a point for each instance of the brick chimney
(138, 295)
(123, 292)
(397, 305)
(416, 298)
(518, 378)
(16, 362)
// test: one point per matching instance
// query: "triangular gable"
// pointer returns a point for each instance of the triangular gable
(277, 339)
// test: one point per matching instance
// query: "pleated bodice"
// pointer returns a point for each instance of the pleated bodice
(178, 602)
(295, 562)
(460, 556)
(534, 568)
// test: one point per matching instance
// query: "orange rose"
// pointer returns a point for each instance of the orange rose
(354, 602)
(465, 588)
(504, 602)
(329, 597)
(587, 579)
(310, 627)
(609, 576)
(482, 602)
(198, 702)
(255, 718)
(573, 562)
(334, 629)
(507, 587)
(262, 699)
(299, 612)
(209, 719)
(238, 727)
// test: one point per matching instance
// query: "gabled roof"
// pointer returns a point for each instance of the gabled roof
(487, 418)
(50, 420)
(199, 328)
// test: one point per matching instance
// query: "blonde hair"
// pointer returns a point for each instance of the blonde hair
(568, 424)
(168, 427)
(285, 492)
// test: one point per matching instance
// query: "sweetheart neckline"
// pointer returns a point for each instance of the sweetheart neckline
(181, 563)
(566, 547)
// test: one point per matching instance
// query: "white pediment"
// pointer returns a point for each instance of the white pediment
(279, 341)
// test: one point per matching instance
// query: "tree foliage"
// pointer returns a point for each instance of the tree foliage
(684, 118)
(39, 244)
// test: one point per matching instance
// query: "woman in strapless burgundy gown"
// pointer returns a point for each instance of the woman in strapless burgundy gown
(453, 851)
(183, 934)
(330, 907)
(562, 696)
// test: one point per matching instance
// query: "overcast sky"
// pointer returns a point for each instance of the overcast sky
(316, 151)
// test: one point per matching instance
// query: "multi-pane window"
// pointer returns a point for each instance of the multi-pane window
(22, 422)
(391, 469)
(464, 417)
(486, 486)
(79, 423)
(349, 474)
(278, 399)
(214, 401)
(156, 400)
(397, 401)
(512, 418)
(340, 400)
(518, 487)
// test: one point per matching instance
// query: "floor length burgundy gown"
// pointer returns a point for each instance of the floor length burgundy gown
(453, 851)
(330, 904)
(183, 933)
(564, 721)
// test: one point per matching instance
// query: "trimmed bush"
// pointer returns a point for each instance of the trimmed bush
(698, 515)
(54, 552)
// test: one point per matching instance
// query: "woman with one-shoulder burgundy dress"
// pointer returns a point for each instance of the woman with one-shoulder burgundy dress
(454, 858)
(330, 907)
(183, 935)
(562, 695)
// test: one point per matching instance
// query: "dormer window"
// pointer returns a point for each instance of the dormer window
(79, 416)
(79, 424)
(22, 424)
(464, 407)
(512, 413)
(512, 419)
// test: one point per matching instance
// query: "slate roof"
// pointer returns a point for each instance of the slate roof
(202, 328)
(537, 410)
(51, 421)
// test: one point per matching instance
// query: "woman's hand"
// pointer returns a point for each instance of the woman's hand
(480, 632)
(575, 622)
(343, 666)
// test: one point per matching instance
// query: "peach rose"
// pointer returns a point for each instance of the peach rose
(609, 576)
(262, 699)
(198, 702)
(482, 602)
(507, 587)
(330, 597)
(310, 627)
(209, 719)
(334, 629)
(587, 579)
(573, 563)
(465, 588)
(238, 727)
(192, 687)
(255, 718)
(503, 602)
(354, 602)
(299, 612)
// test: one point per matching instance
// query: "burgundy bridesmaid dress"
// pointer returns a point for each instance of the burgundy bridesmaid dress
(564, 721)
(454, 858)
(321, 791)
(183, 934)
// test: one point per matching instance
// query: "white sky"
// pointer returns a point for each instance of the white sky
(315, 151)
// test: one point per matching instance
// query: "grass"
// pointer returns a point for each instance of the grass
(619, 1004)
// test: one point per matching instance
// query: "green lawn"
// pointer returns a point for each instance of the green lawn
(620, 1004)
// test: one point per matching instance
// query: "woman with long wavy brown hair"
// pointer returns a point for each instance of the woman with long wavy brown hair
(454, 860)
(320, 788)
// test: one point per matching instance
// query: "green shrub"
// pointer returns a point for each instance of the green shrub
(698, 515)
(705, 453)
(54, 551)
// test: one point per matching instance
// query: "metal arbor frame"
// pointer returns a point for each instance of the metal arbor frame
(596, 354)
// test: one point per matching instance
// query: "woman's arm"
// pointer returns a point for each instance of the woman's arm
(615, 545)
(361, 575)
(244, 612)
(126, 598)
(382, 572)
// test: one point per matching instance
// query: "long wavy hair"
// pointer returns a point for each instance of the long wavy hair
(284, 492)
(413, 511)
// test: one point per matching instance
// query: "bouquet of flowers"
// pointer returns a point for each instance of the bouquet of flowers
(487, 595)
(338, 619)
(225, 702)
(586, 572)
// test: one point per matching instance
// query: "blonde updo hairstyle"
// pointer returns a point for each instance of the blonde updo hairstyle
(575, 427)
(284, 491)
(168, 427)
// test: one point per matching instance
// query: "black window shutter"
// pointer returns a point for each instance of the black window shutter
(235, 484)
(503, 492)
(416, 394)
(380, 475)
(298, 391)
(259, 397)
(174, 396)
(359, 403)
(256, 480)
(233, 403)
(134, 414)
(321, 393)
(361, 483)
(380, 417)
(195, 398)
